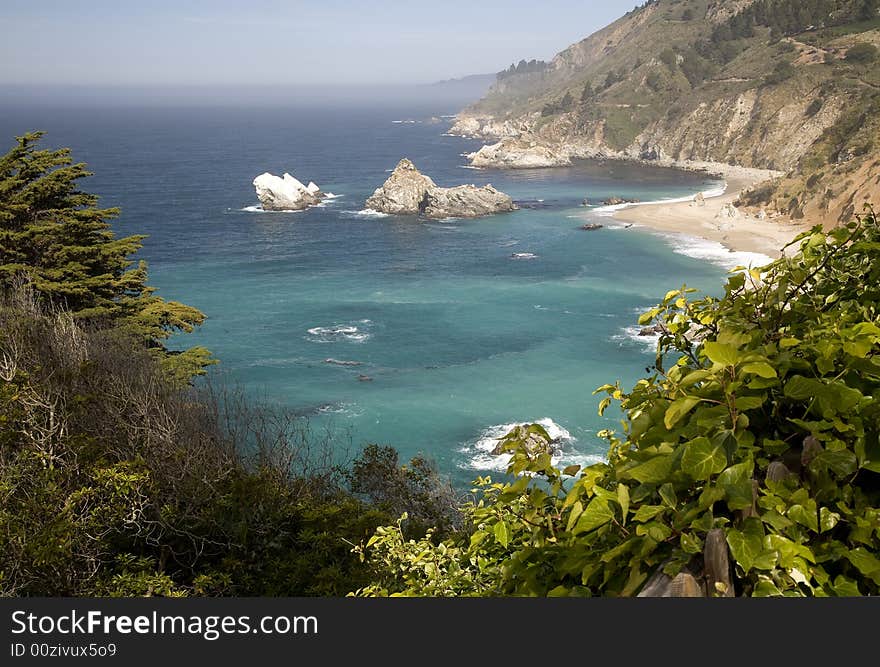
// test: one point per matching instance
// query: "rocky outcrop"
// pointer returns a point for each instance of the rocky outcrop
(409, 192)
(403, 192)
(534, 443)
(285, 193)
(520, 154)
(465, 201)
(485, 127)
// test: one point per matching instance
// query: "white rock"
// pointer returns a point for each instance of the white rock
(284, 193)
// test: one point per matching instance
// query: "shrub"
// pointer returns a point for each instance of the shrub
(754, 439)
(862, 53)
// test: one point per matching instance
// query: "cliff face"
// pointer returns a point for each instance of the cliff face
(759, 83)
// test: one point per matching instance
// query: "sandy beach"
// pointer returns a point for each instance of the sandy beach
(741, 233)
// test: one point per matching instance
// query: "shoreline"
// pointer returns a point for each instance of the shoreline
(742, 233)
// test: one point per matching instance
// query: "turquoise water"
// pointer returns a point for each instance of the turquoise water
(457, 334)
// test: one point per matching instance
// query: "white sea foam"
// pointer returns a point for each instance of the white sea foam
(341, 362)
(632, 336)
(480, 455)
(470, 166)
(715, 252)
(338, 333)
(523, 255)
(347, 409)
(365, 213)
(259, 209)
(611, 209)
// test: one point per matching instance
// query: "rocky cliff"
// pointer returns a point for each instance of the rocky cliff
(784, 85)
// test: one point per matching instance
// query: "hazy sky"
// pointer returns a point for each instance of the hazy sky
(173, 42)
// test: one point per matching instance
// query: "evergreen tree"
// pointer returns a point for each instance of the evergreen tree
(54, 237)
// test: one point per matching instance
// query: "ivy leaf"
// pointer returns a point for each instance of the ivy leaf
(806, 516)
(652, 471)
(746, 545)
(865, 562)
(702, 459)
(846, 587)
(597, 514)
(667, 495)
(760, 368)
(679, 409)
(827, 519)
(623, 499)
(749, 402)
(502, 533)
(721, 353)
(647, 512)
(691, 544)
(576, 510)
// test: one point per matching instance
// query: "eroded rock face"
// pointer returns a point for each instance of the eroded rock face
(403, 192)
(409, 192)
(465, 201)
(285, 193)
(518, 154)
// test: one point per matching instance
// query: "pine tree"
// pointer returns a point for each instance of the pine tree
(55, 238)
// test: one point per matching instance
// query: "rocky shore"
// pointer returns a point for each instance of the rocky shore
(409, 192)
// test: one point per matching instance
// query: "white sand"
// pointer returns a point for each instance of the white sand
(745, 233)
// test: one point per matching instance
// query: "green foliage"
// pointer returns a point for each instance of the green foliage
(564, 104)
(814, 108)
(53, 236)
(118, 480)
(782, 71)
(523, 67)
(862, 53)
(761, 419)
(415, 489)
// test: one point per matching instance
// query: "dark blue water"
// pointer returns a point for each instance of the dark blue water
(459, 337)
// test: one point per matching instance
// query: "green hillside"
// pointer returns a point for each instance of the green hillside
(775, 84)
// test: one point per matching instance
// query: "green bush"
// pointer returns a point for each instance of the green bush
(760, 423)
(862, 53)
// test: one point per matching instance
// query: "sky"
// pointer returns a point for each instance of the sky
(273, 42)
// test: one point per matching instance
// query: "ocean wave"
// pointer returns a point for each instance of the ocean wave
(610, 209)
(715, 252)
(523, 255)
(341, 362)
(259, 209)
(406, 122)
(339, 332)
(480, 457)
(470, 166)
(365, 213)
(351, 410)
(632, 335)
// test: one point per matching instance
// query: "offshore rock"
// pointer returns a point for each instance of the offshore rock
(465, 201)
(409, 192)
(403, 192)
(285, 193)
(534, 443)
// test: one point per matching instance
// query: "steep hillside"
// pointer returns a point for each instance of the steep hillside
(786, 85)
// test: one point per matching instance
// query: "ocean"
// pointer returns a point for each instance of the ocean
(433, 337)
